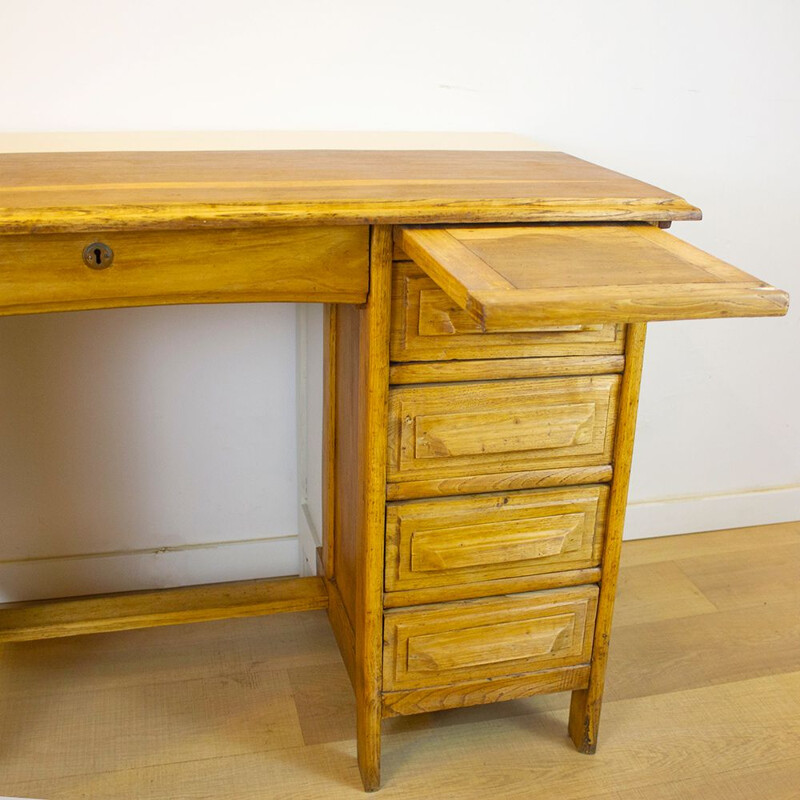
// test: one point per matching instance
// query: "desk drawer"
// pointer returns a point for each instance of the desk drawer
(428, 326)
(476, 639)
(466, 429)
(460, 540)
(322, 264)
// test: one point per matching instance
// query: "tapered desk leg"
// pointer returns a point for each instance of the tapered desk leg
(584, 713)
(368, 732)
(373, 404)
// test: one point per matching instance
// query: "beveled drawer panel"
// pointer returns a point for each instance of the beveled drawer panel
(458, 540)
(428, 326)
(474, 639)
(48, 273)
(456, 429)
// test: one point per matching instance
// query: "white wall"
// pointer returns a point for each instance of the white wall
(700, 98)
(126, 432)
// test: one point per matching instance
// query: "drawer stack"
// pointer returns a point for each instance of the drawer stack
(498, 464)
(480, 418)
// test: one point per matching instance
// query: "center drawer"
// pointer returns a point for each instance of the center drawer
(48, 272)
(479, 639)
(453, 541)
(463, 429)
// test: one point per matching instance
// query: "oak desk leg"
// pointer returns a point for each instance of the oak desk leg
(584, 713)
(356, 398)
(373, 403)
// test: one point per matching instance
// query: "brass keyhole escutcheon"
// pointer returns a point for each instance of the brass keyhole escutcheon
(98, 255)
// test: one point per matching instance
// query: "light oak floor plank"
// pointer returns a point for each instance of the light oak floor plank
(656, 591)
(773, 782)
(163, 655)
(737, 579)
(703, 650)
(669, 548)
(703, 701)
(694, 735)
(55, 734)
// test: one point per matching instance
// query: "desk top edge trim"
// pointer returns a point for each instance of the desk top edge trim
(239, 215)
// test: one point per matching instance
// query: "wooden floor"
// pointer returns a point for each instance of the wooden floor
(703, 701)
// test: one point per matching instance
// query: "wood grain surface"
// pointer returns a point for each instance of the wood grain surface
(442, 485)
(472, 693)
(586, 704)
(427, 324)
(282, 264)
(458, 540)
(490, 587)
(463, 429)
(125, 611)
(69, 192)
(512, 278)
(502, 369)
(472, 640)
(373, 390)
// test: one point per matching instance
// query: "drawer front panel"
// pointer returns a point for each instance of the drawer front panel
(483, 428)
(458, 540)
(470, 640)
(428, 326)
(47, 273)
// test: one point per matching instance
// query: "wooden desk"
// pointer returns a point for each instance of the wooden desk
(486, 317)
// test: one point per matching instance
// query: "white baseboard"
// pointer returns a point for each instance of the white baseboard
(670, 516)
(308, 541)
(148, 569)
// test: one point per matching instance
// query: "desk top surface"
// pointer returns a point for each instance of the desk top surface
(86, 191)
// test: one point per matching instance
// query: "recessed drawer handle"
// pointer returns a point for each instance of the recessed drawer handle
(98, 255)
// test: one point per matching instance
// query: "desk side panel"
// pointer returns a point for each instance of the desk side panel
(348, 469)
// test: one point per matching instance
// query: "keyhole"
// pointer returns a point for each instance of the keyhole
(98, 255)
